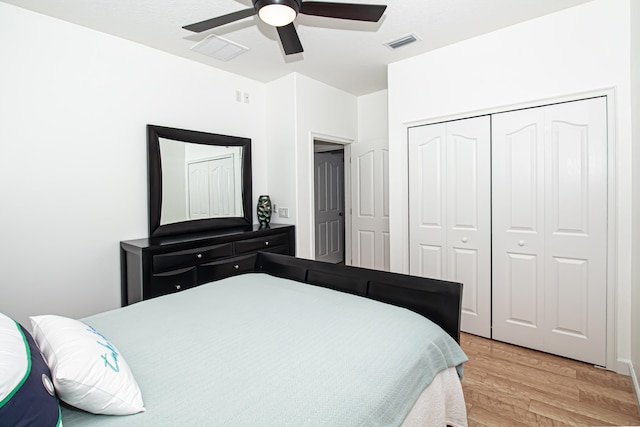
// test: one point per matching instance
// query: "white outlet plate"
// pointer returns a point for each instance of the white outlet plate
(283, 212)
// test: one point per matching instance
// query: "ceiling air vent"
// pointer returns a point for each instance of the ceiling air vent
(219, 48)
(402, 41)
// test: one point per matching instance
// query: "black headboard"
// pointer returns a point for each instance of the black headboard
(437, 300)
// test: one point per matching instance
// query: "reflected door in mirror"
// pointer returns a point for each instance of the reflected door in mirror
(200, 181)
(212, 188)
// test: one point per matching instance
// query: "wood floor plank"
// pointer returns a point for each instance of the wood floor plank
(539, 380)
(604, 377)
(486, 417)
(623, 402)
(512, 408)
(565, 417)
(597, 399)
(514, 386)
(606, 416)
(476, 393)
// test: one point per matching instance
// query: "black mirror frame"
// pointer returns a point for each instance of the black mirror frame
(154, 163)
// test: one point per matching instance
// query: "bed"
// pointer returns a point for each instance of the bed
(295, 342)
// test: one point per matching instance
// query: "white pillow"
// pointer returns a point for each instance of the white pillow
(88, 371)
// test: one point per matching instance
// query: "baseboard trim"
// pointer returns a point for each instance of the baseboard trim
(634, 380)
(623, 367)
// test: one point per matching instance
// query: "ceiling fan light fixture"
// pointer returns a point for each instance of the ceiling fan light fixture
(278, 13)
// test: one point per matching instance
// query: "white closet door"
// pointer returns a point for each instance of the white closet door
(427, 201)
(518, 226)
(211, 185)
(450, 205)
(549, 228)
(198, 184)
(222, 187)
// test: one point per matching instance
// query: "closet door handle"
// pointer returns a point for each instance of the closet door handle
(521, 242)
(465, 240)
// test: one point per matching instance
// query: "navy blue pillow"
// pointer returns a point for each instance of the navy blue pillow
(27, 396)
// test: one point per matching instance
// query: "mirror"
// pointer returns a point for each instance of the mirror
(198, 181)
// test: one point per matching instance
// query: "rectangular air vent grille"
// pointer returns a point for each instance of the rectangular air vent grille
(402, 41)
(219, 48)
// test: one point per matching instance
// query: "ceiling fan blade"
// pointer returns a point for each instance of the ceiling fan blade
(355, 12)
(290, 40)
(220, 20)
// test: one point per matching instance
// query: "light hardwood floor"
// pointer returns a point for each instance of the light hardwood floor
(506, 385)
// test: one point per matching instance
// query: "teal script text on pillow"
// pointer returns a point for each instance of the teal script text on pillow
(88, 370)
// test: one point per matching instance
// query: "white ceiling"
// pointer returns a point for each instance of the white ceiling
(345, 54)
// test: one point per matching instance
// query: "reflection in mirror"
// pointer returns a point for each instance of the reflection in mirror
(201, 181)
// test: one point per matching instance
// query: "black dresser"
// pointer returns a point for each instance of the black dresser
(161, 265)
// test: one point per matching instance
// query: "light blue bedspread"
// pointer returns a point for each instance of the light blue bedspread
(255, 350)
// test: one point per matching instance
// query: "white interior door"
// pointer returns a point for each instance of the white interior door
(370, 193)
(449, 212)
(550, 228)
(329, 206)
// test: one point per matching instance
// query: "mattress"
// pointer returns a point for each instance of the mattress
(256, 350)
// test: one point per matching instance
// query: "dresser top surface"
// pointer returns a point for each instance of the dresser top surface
(256, 230)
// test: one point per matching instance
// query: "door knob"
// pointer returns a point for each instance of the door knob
(465, 240)
(520, 242)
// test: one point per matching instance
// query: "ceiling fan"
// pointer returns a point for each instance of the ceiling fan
(281, 13)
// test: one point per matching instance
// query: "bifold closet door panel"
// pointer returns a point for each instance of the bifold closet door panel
(550, 228)
(576, 229)
(427, 201)
(517, 149)
(469, 219)
(450, 234)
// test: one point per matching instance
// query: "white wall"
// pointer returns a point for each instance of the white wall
(300, 109)
(73, 182)
(635, 114)
(281, 153)
(579, 49)
(372, 116)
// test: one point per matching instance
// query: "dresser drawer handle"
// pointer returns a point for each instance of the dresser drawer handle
(178, 287)
(236, 266)
(199, 256)
(266, 243)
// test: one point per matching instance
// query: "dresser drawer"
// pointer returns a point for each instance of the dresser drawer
(260, 243)
(229, 267)
(172, 281)
(187, 258)
(282, 249)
